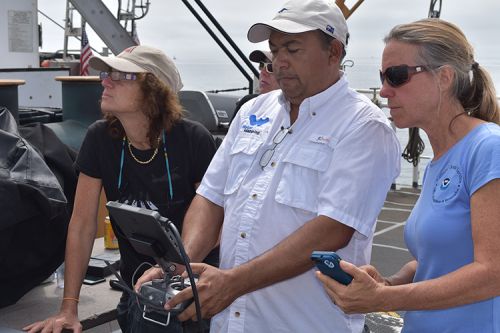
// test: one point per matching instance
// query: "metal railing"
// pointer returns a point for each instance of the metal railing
(382, 103)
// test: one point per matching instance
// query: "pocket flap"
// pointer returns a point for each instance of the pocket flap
(312, 156)
(246, 144)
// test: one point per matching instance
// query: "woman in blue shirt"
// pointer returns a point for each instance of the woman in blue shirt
(432, 81)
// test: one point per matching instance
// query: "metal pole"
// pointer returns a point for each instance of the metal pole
(66, 29)
(415, 176)
(227, 37)
(221, 45)
(393, 185)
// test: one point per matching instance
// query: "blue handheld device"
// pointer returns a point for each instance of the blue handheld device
(328, 263)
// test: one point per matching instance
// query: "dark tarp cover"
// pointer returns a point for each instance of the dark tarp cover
(37, 186)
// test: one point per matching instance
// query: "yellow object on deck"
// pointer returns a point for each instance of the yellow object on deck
(110, 241)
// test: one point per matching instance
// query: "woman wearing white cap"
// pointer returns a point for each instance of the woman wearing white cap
(143, 153)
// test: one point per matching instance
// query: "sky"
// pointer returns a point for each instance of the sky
(171, 27)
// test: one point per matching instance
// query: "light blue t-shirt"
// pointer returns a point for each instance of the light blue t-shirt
(438, 232)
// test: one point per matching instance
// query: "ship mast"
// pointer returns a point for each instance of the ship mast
(346, 10)
(114, 31)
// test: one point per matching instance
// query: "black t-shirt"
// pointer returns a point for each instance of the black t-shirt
(190, 148)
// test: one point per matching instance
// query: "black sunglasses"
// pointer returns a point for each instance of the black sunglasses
(267, 65)
(396, 76)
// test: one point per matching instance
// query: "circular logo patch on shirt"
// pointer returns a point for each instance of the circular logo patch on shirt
(447, 185)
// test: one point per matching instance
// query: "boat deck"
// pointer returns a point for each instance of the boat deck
(96, 308)
(389, 252)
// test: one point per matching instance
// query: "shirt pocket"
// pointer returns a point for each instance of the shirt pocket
(299, 183)
(242, 155)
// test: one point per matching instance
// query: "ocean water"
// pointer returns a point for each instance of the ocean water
(363, 75)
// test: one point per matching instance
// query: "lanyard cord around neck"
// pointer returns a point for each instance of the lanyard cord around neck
(167, 165)
(122, 155)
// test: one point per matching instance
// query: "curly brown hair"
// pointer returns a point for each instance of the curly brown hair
(161, 107)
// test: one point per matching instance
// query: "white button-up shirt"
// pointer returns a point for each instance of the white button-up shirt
(338, 161)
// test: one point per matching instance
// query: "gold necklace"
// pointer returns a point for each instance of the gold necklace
(138, 160)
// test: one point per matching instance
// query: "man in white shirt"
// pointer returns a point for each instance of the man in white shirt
(303, 168)
(267, 81)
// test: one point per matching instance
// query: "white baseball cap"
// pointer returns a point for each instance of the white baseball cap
(142, 59)
(299, 16)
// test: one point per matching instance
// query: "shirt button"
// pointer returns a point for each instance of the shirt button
(254, 196)
(314, 113)
(237, 314)
(273, 164)
(243, 235)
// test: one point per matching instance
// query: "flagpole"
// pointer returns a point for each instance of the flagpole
(85, 52)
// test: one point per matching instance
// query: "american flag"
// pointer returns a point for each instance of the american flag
(85, 54)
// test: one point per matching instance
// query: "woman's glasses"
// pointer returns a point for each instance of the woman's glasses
(396, 76)
(118, 76)
(267, 65)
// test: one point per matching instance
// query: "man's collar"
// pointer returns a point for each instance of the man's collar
(313, 103)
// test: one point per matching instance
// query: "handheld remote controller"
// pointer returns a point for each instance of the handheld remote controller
(159, 292)
(155, 236)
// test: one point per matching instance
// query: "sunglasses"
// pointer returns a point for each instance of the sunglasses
(118, 76)
(267, 65)
(396, 76)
